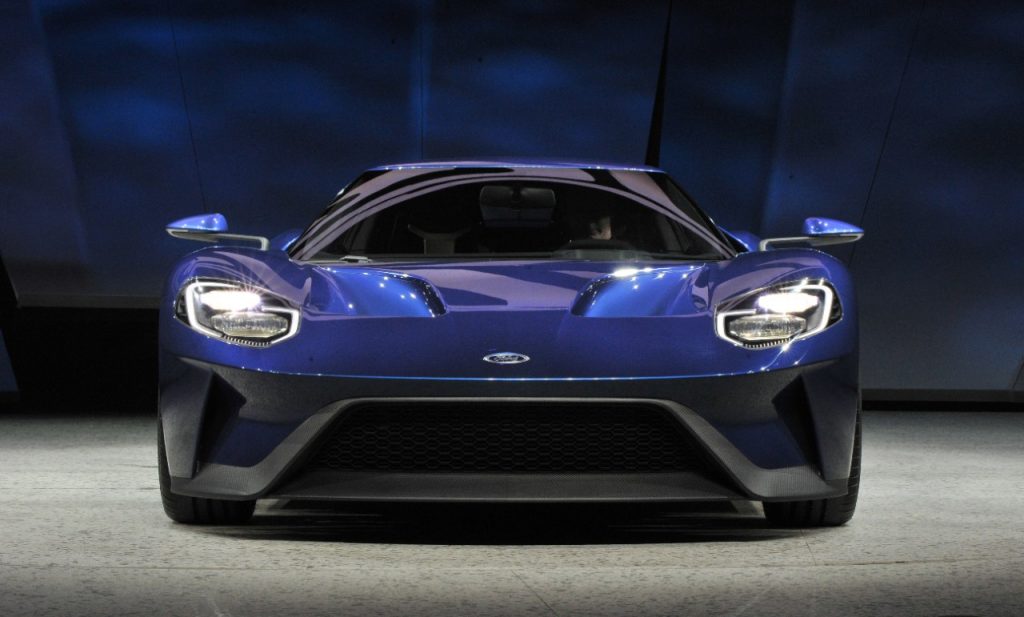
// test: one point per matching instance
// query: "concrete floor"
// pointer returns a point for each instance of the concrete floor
(939, 532)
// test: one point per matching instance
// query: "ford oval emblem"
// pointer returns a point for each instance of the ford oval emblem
(506, 357)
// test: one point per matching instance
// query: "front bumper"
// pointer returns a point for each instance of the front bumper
(240, 434)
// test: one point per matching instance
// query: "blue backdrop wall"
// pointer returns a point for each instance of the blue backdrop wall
(906, 118)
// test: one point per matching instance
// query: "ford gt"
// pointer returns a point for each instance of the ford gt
(510, 332)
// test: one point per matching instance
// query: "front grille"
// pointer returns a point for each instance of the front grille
(509, 437)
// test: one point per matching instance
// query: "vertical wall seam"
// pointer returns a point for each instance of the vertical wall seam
(1018, 380)
(184, 102)
(888, 125)
(653, 155)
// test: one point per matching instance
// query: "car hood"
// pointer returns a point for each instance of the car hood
(582, 288)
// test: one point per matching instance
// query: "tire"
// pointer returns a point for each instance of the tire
(831, 512)
(196, 510)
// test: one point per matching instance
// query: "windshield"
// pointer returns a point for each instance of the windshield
(539, 212)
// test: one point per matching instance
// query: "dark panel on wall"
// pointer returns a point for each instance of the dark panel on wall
(288, 103)
(725, 70)
(121, 111)
(259, 111)
(8, 385)
(570, 80)
(8, 307)
(938, 272)
(906, 119)
(41, 236)
(844, 70)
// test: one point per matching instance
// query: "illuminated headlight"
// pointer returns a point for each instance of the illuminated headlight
(236, 313)
(778, 315)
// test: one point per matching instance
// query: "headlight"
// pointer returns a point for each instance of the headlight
(236, 313)
(778, 315)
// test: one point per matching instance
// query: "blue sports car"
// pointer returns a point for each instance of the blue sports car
(510, 332)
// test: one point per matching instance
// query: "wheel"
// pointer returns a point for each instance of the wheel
(196, 510)
(821, 512)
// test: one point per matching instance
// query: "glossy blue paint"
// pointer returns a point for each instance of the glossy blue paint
(215, 223)
(434, 318)
(640, 292)
(575, 319)
(424, 326)
(816, 226)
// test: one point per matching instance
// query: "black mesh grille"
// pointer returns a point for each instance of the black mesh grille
(509, 437)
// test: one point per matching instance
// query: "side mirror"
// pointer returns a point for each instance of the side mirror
(818, 231)
(210, 228)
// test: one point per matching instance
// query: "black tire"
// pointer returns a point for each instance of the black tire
(196, 510)
(820, 512)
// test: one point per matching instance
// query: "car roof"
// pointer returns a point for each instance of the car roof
(544, 163)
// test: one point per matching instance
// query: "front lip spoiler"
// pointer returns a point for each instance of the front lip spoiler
(265, 478)
(504, 487)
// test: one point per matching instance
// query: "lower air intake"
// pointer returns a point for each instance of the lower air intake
(481, 437)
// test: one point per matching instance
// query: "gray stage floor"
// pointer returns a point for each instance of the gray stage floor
(939, 531)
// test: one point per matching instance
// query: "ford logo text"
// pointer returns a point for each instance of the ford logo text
(506, 357)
